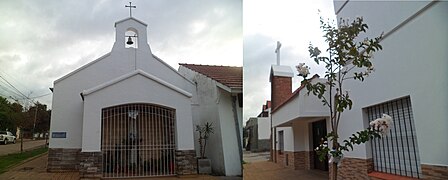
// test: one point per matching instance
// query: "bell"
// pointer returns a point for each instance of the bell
(129, 41)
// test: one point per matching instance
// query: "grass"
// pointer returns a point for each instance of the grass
(10, 160)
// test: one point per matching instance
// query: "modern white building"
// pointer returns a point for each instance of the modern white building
(409, 84)
(125, 114)
(219, 90)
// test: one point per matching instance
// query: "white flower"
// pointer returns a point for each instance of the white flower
(302, 69)
(337, 160)
(366, 42)
(382, 124)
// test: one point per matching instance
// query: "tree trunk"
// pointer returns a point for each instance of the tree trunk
(21, 141)
(334, 166)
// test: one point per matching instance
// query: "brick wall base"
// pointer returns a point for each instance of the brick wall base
(186, 163)
(90, 165)
(301, 160)
(354, 168)
(434, 172)
(61, 159)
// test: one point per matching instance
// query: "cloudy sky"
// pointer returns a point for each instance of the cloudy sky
(295, 24)
(41, 40)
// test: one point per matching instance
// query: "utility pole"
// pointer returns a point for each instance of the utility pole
(35, 117)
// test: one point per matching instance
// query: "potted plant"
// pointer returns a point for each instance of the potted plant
(204, 164)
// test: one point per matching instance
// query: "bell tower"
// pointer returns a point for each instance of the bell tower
(130, 33)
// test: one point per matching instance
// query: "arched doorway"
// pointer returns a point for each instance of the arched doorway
(138, 140)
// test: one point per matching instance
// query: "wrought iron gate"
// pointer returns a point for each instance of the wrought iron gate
(138, 141)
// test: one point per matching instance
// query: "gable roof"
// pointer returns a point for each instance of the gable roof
(230, 76)
(131, 74)
(130, 18)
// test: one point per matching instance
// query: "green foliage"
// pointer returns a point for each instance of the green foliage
(359, 137)
(204, 133)
(10, 160)
(13, 115)
(347, 57)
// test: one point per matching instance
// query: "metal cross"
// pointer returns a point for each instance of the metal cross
(277, 51)
(130, 8)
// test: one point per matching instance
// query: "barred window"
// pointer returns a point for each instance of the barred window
(397, 153)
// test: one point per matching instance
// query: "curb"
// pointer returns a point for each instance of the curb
(24, 161)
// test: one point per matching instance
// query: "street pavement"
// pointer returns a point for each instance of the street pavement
(249, 157)
(36, 169)
(257, 167)
(15, 148)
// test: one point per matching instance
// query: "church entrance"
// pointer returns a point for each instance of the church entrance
(138, 140)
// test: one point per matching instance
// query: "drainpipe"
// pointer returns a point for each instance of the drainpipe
(237, 128)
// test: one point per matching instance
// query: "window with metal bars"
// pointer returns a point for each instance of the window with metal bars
(397, 153)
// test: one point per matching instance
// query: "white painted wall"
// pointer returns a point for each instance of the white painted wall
(136, 89)
(301, 106)
(264, 127)
(206, 110)
(215, 105)
(67, 112)
(413, 63)
(288, 135)
(230, 140)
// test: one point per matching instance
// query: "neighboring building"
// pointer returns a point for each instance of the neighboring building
(125, 114)
(409, 84)
(220, 101)
(258, 130)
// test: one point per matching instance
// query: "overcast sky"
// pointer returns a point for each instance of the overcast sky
(42, 40)
(295, 24)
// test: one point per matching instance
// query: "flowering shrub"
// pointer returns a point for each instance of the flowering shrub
(378, 128)
(346, 59)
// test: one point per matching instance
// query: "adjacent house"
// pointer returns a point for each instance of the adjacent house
(220, 102)
(408, 84)
(258, 130)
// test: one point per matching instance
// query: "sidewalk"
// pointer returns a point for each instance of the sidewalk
(265, 170)
(36, 169)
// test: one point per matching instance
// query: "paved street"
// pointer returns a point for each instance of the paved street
(255, 157)
(258, 167)
(36, 169)
(14, 148)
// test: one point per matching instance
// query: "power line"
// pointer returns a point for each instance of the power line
(9, 91)
(36, 96)
(17, 82)
(14, 87)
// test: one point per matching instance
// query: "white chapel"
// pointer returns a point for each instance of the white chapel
(125, 114)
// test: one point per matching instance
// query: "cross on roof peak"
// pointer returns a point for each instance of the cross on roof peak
(130, 8)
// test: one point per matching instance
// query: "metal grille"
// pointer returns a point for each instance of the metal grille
(397, 153)
(138, 141)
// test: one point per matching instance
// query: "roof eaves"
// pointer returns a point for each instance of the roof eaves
(131, 74)
(120, 21)
(81, 68)
(293, 95)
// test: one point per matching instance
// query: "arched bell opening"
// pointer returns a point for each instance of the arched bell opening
(131, 38)
(138, 140)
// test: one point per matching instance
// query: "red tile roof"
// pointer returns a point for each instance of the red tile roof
(230, 76)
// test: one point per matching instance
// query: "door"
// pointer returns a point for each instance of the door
(319, 133)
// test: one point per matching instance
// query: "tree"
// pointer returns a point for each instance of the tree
(346, 59)
(204, 133)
